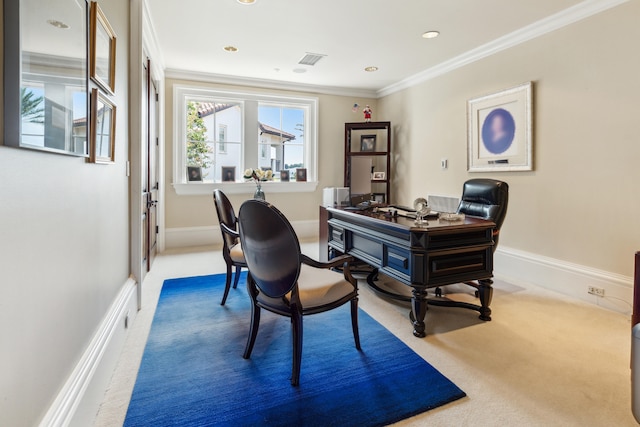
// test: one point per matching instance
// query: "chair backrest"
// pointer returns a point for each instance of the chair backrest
(487, 199)
(271, 248)
(226, 216)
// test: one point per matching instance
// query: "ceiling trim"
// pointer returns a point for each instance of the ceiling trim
(150, 38)
(268, 84)
(561, 19)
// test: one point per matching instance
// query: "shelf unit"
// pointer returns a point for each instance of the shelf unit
(371, 140)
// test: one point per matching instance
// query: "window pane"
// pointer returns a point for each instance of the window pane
(33, 115)
(214, 137)
(280, 130)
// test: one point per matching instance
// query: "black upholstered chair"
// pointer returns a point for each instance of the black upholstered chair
(231, 247)
(286, 282)
(487, 199)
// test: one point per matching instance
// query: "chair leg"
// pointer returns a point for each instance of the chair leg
(237, 278)
(297, 346)
(354, 322)
(227, 285)
(253, 333)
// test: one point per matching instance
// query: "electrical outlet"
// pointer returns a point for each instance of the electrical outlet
(444, 164)
(596, 291)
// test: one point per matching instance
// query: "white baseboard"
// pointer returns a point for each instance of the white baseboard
(183, 237)
(509, 264)
(81, 396)
(564, 277)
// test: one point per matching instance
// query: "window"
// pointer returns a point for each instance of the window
(222, 138)
(237, 131)
(281, 137)
(203, 144)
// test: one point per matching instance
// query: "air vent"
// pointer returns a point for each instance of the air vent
(311, 58)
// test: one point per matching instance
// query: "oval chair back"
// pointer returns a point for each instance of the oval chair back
(226, 215)
(487, 199)
(231, 248)
(271, 248)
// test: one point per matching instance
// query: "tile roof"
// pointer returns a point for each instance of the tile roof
(277, 132)
(208, 108)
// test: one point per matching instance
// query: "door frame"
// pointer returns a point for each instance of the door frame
(143, 45)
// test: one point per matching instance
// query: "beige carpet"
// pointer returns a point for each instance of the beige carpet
(544, 359)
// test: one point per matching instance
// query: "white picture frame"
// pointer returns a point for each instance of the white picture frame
(500, 131)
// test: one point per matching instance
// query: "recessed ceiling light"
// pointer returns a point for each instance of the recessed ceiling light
(299, 70)
(230, 48)
(430, 34)
(57, 24)
(246, 1)
(371, 69)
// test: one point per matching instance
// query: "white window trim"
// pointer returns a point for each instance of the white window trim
(183, 187)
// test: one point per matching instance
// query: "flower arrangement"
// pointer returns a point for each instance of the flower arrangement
(258, 175)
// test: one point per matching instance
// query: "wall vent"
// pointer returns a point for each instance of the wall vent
(311, 58)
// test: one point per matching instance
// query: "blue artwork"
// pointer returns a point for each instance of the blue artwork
(498, 131)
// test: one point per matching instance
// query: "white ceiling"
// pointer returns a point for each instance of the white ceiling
(273, 35)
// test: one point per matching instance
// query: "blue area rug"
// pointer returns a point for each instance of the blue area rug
(193, 374)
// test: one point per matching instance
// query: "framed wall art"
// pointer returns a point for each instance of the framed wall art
(103, 128)
(228, 173)
(500, 131)
(102, 64)
(194, 173)
(378, 176)
(368, 143)
(301, 174)
(46, 76)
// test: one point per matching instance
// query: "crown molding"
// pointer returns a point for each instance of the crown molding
(554, 22)
(268, 84)
(150, 37)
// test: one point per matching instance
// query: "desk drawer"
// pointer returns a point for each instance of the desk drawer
(397, 259)
(459, 265)
(336, 237)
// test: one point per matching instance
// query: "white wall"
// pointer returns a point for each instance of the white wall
(580, 203)
(64, 256)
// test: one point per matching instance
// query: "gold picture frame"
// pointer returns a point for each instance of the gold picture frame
(102, 50)
(103, 128)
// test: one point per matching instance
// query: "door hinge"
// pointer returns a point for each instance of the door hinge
(157, 229)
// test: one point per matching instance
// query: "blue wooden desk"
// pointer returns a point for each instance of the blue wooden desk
(422, 257)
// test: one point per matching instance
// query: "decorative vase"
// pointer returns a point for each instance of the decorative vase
(259, 194)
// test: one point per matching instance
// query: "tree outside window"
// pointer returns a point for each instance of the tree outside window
(197, 148)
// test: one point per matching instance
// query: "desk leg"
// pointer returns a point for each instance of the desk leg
(419, 309)
(485, 293)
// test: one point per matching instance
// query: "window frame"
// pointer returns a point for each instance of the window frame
(182, 187)
(222, 142)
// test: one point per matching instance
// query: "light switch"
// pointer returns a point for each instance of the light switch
(444, 163)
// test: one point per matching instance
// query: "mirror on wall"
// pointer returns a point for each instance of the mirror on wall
(46, 75)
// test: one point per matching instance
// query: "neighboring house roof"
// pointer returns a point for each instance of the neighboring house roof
(207, 108)
(277, 132)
